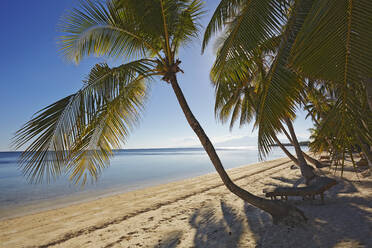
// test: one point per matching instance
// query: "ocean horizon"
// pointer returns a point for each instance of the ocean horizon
(129, 169)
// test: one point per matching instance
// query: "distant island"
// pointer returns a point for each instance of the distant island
(302, 143)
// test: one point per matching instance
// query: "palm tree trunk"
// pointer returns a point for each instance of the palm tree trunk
(307, 157)
(366, 150)
(368, 85)
(278, 210)
(306, 170)
(313, 160)
(285, 150)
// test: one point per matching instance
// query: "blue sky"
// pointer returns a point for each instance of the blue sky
(34, 74)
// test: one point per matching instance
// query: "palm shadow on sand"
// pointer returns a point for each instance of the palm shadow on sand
(171, 240)
(341, 222)
(210, 229)
(213, 231)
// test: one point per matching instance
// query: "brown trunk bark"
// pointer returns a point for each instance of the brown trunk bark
(367, 151)
(287, 135)
(306, 170)
(368, 154)
(368, 85)
(281, 212)
(313, 160)
(307, 157)
(285, 150)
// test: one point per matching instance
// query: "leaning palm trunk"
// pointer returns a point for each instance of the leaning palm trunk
(306, 170)
(98, 117)
(306, 156)
(285, 150)
(368, 154)
(312, 160)
(368, 85)
(278, 210)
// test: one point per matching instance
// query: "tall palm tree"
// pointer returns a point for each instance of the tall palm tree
(238, 90)
(323, 110)
(77, 134)
(320, 40)
(333, 47)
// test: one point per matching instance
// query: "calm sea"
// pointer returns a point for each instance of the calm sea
(130, 169)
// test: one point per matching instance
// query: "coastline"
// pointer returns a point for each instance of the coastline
(152, 167)
(19, 210)
(186, 212)
(36, 206)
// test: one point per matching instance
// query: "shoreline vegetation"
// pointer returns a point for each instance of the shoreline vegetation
(200, 212)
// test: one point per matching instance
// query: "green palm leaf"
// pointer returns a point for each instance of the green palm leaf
(333, 46)
(97, 29)
(108, 129)
(66, 129)
(185, 25)
(257, 22)
(283, 87)
(76, 135)
(225, 11)
(334, 41)
(45, 156)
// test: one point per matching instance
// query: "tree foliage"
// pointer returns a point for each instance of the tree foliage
(322, 41)
(77, 134)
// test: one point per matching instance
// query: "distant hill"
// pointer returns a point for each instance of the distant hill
(242, 141)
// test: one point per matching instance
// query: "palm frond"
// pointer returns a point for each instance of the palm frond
(332, 46)
(225, 11)
(47, 132)
(235, 90)
(283, 87)
(98, 29)
(343, 123)
(108, 129)
(333, 43)
(257, 22)
(185, 26)
(71, 126)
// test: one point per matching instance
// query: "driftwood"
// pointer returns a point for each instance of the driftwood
(318, 186)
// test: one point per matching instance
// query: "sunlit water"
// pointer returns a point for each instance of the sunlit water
(128, 170)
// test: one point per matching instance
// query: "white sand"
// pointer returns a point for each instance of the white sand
(201, 212)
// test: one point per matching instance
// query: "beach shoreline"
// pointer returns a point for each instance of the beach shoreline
(196, 212)
(128, 171)
(37, 206)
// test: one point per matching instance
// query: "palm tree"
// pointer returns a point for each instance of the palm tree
(77, 134)
(238, 90)
(322, 109)
(323, 40)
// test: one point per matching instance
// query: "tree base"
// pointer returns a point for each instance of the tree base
(288, 215)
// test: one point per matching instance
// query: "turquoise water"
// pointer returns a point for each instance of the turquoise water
(129, 169)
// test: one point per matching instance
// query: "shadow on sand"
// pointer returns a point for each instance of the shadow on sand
(212, 231)
(342, 222)
(172, 240)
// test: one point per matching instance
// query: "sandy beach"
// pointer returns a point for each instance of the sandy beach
(201, 212)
